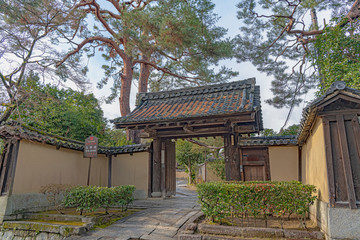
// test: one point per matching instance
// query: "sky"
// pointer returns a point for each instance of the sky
(226, 10)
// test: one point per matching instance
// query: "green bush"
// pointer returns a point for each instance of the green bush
(90, 198)
(54, 193)
(220, 200)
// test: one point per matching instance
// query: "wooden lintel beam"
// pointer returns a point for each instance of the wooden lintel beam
(242, 118)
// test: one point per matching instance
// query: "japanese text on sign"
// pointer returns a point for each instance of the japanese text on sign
(91, 147)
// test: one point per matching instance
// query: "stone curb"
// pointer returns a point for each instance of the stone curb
(258, 232)
(207, 232)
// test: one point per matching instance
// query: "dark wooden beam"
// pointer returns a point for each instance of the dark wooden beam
(235, 158)
(227, 143)
(163, 169)
(150, 177)
(8, 185)
(201, 132)
(329, 162)
(346, 162)
(299, 163)
(156, 178)
(109, 170)
(248, 117)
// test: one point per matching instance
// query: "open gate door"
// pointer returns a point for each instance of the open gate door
(255, 162)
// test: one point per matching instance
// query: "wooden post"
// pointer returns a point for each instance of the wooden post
(241, 168)
(163, 179)
(235, 159)
(109, 170)
(345, 160)
(299, 163)
(88, 176)
(156, 188)
(227, 146)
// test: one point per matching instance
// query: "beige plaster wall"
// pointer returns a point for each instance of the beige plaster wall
(283, 163)
(41, 164)
(314, 161)
(131, 170)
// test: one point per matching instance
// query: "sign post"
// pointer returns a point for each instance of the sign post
(90, 151)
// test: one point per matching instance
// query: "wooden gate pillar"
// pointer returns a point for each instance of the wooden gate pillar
(156, 169)
(232, 158)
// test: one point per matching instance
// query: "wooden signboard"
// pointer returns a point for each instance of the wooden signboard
(91, 147)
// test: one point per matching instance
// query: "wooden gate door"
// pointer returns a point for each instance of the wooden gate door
(255, 164)
(170, 166)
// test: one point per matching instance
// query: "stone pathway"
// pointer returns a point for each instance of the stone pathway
(161, 220)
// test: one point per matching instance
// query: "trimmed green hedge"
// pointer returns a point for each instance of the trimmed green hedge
(90, 198)
(220, 200)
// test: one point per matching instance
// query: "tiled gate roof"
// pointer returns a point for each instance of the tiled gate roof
(207, 101)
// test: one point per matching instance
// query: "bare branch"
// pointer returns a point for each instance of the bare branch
(167, 71)
(109, 41)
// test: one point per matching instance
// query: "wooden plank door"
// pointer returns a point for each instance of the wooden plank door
(170, 172)
(255, 164)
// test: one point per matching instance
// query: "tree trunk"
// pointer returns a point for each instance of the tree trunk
(315, 26)
(190, 172)
(126, 79)
(6, 114)
(145, 70)
(134, 135)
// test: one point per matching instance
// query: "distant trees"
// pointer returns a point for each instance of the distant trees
(291, 130)
(188, 157)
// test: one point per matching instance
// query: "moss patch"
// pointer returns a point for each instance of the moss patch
(57, 222)
(98, 212)
(103, 223)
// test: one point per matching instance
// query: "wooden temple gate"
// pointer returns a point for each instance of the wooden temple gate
(226, 110)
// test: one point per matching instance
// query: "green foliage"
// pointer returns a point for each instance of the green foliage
(63, 112)
(271, 39)
(2, 145)
(291, 130)
(28, 31)
(188, 157)
(90, 198)
(218, 167)
(113, 138)
(338, 55)
(179, 37)
(219, 200)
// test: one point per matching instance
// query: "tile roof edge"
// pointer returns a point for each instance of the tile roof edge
(22, 132)
(194, 90)
(310, 111)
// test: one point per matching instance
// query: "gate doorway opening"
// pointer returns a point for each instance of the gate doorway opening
(228, 110)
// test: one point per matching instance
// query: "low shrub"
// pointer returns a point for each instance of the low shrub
(54, 194)
(220, 200)
(90, 198)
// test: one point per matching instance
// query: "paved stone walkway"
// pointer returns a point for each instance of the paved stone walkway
(161, 220)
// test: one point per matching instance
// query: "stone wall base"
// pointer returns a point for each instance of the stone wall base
(31, 235)
(336, 223)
